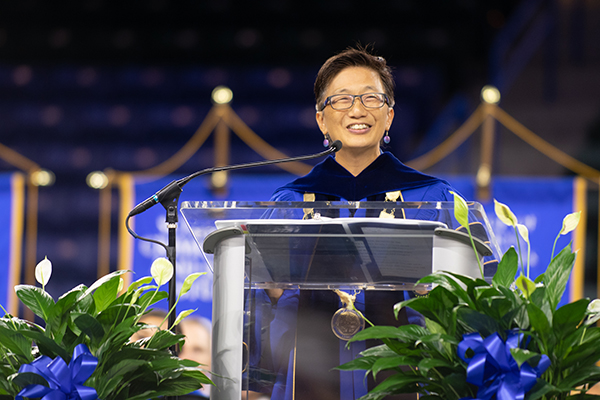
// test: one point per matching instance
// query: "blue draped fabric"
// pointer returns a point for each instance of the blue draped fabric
(11, 218)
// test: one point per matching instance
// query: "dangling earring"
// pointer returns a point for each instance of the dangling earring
(386, 138)
(327, 140)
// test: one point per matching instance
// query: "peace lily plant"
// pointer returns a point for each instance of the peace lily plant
(83, 348)
(504, 340)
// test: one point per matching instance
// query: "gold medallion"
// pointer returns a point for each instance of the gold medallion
(347, 322)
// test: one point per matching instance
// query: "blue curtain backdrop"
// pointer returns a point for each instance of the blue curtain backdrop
(539, 203)
(11, 218)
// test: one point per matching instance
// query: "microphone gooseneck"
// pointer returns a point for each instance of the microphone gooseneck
(167, 194)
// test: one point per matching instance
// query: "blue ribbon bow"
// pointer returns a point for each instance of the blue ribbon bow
(494, 370)
(65, 382)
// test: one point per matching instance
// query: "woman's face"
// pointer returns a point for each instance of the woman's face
(359, 128)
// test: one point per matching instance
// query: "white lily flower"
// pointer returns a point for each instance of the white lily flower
(594, 306)
(161, 270)
(504, 213)
(570, 222)
(43, 271)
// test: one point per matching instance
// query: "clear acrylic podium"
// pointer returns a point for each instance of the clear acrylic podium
(263, 249)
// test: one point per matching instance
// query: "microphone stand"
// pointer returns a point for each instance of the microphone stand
(168, 197)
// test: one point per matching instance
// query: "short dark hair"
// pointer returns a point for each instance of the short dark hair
(354, 57)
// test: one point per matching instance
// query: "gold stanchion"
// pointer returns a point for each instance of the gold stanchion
(222, 144)
(105, 209)
(484, 173)
(126, 188)
(31, 238)
(579, 204)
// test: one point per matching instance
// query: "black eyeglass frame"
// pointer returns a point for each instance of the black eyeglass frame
(327, 101)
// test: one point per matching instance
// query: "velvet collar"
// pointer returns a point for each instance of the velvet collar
(385, 174)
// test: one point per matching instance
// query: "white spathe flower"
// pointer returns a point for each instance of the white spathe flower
(523, 231)
(504, 214)
(161, 270)
(43, 271)
(461, 210)
(570, 222)
(594, 306)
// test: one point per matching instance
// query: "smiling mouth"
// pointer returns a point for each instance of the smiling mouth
(358, 127)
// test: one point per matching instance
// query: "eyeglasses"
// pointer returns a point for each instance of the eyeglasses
(346, 101)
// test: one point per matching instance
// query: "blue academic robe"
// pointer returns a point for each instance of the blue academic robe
(279, 328)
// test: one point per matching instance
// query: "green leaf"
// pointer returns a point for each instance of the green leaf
(557, 276)
(142, 281)
(587, 374)
(568, 317)
(15, 341)
(118, 313)
(404, 332)
(182, 315)
(359, 363)
(428, 363)
(106, 293)
(478, 322)
(537, 318)
(187, 284)
(188, 380)
(146, 298)
(23, 379)
(395, 362)
(398, 383)
(442, 341)
(437, 306)
(452, 283)
(163, 340)
(36, 299)
(378, 351)
(67, 300)
(90, 326)
(85, 303)
(526, 285)
(522, 355)
(114, 377)
(540, 389)
(507, 269)
(583, 347)
(46, 345)
(101, 282)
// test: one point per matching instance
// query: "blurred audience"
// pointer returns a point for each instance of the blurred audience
(154, 318)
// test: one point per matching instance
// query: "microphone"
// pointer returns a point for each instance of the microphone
(169, 193)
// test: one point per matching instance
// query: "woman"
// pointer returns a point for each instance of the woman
(354, 91)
